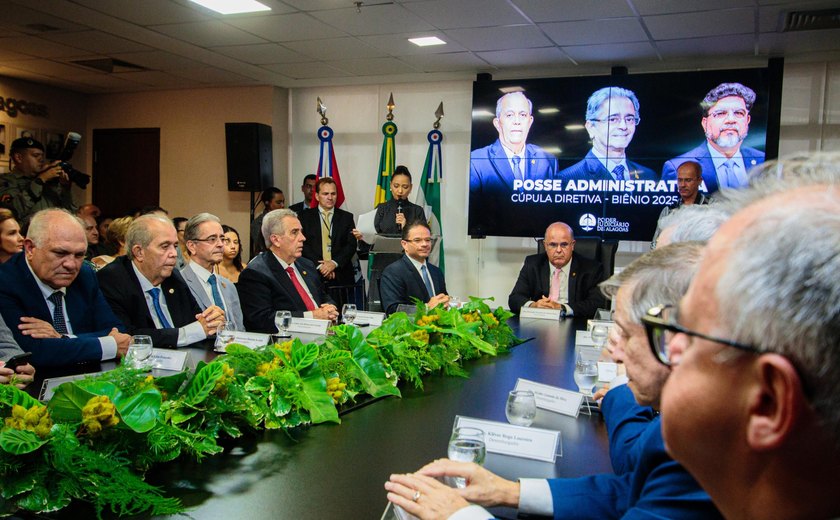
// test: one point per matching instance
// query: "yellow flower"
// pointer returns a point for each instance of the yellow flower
(335, 388)
(421, 335)
(99, 413)
(36, 419)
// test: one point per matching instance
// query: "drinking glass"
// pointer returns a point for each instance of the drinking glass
(282, 320)
(224, 334)
(348, 313)
(521, 407)
(586, 375)
(599, 334)
(454, 302)
(466, 445)
(139, 352)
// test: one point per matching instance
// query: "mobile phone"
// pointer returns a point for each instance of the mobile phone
(18, 360)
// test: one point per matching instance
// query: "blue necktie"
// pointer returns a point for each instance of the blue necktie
(732, 180)
(426, 280)
(618, 171)
(217, 296)
(517, 173)
(58, 314)
(155, 293)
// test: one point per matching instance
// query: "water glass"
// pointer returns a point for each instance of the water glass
(586, 375)
(139, 353)
(348, 313)
(283, 320)
(521, 407)
(466, 445)
(454, 302)
(599, 334)
(225, 334)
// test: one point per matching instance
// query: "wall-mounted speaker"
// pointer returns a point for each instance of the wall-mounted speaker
(250, 166)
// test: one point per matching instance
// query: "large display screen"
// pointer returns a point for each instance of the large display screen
(601, 153)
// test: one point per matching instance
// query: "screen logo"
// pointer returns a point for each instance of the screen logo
(587, 222)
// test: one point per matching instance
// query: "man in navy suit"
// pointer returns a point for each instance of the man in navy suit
(149, 294)
(559, 279)
(52, 301)
(280, 279)
(495, 168)
(646, 483)
(330, 243)
(726, 122)
(612, 114)
(412, 276)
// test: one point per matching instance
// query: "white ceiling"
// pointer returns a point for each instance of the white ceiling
(327, 42)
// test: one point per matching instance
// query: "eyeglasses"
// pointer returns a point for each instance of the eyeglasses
(721, 114)
(661, 325)
(555, 245)
(419, 241)
(614, 120)
(212, 239)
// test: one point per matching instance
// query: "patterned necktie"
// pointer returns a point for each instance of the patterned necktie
(426, 281)
(154, 292)
(517, 173)
(554, 290)
(59, 323)
(307, 301)
(618, 171)
(326, 239)
(217, 296)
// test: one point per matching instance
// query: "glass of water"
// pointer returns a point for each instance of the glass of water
(586, 375)
(454, 302)
(348, 313)
(283, 320)
(224, 334)
(139, 353)
(521, 407)
(466, 445)
(599, 334)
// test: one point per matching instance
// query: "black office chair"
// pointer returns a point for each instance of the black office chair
(592, 248)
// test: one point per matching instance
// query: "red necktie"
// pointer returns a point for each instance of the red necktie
(310, 306)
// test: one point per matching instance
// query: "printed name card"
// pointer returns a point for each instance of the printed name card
(539, 314)
(374, 319)
(552, 398)
(607, 371)
(168, 359)
(309, 326)
(249, 339)
(583, 339)
(49, 386)
(516, 441)
(592, 323)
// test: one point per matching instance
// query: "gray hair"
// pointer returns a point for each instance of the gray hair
(191, 231)
(42, 221)
(727, 90)
(661, 276)
(499, 103)
(139, 234)
(272, 223)
(780, 292)
(593, 104)
(696, 222)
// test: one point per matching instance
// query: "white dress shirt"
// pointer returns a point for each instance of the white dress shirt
(188, 334)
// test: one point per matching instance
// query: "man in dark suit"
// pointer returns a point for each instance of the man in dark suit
(149, 294)
(307, 189)
(330, 242)
(412, 276)
(612, 114)
(52, 301)
(495, 168)
(279, 279)
(559, 279)
(726, 121)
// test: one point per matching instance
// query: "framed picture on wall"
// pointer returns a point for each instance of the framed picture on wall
(4, 144)
(22, 131)
(53, 141)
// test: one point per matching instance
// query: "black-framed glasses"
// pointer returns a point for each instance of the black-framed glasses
(661, 325)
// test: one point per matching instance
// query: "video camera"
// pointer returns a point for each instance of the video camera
(70, 143)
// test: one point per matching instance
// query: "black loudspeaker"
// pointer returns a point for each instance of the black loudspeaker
(249, 156)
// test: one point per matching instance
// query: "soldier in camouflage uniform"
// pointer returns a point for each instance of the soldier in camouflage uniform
(32, 184)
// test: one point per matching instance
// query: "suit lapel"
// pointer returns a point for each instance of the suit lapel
(190, 275)
(419, 284)
(544, 272)
(43, 312)
(172, 291)
(311, 280)
(282, 277)
(501, 164)
(573, 268)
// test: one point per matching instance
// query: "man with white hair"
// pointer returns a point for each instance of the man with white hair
(752, 408)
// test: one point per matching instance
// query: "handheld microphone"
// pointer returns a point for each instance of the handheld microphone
(399, 206)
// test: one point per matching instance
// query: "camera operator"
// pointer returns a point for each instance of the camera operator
(33, 185)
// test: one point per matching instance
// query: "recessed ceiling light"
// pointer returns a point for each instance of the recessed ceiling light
(233, 6)
(427, 41)
(574, 127)
(556, 150)
(548, 110)
(508, 90)
(482, 113)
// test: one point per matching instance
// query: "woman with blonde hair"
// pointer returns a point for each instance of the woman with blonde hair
(11, 241)
(116, 235)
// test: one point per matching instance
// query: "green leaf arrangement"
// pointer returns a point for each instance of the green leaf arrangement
(97, 437)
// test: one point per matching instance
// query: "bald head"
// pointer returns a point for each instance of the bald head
(559, 244)
(55, 247)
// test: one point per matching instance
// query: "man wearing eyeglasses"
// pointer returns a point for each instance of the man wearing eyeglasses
(726, 121)
(204, 238)
(412, 276)
(751, 407)
(149, 295)
(559, 279)
(612, 115)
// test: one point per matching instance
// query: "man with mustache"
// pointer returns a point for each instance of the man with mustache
(148, 293)
(726, 121)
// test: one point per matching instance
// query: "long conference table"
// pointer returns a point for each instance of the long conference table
(337, 471)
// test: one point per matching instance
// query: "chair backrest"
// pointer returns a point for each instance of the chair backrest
(592, 248)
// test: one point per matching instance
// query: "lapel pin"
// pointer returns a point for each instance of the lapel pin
(304, 273)
(171, 291)
(574, 274)
(224, 285)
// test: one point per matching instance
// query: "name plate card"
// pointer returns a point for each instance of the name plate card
(309, 326)
(49, 385)
(374, 319)
(607, 371)
(169, 359)
(539, 314)
(592, 323)
(552, 398)
(516, 441)
(583, 339)
(251, 340)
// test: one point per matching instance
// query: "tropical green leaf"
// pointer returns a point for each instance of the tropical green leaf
(12, 395)
(183, 414)
(67, 402)
(315, 398)
(258, 384)
(139, 411)
(202, 383)
(367, 367)
(19, 442)
(171, 384)
(15, 484)
(303, 355)
(280, 406)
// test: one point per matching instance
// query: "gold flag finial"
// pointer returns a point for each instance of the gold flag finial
(322, 109)
(390, 105)
(438, 115)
